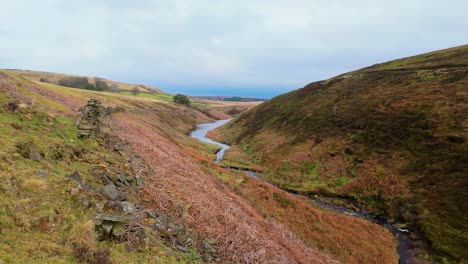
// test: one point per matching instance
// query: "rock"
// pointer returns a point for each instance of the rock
(106, 179)
(84, 201)
(113, 218)
(206, 258)
(127, 207)
(151, 214)
(107, 226)
(75, 175)
(183, 249)
(207, 247)
(110, 192)
(173, 228)
(99, 206)
(129, 179)
(42, 174)
(35, 156)
(139, 180)
(118, 229)
(163, 220)
(163, 231)
(119, 184)
(76, 190)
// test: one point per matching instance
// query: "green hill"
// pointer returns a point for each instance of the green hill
(390, 137)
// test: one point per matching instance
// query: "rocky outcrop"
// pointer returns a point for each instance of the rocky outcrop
(92, 115)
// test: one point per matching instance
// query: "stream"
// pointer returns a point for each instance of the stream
(402, 235)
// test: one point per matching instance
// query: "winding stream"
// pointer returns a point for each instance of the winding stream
(404, 241)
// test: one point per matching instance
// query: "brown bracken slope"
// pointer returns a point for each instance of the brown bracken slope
(390, 137)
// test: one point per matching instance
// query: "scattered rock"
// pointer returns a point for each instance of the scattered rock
(207, 247)
(151, 214)
(183, 249)
(84, 201)
(75, 175)
(110, 192)
(42, 174)
(206, 258)
(127, 207)
(139, 180)
(118, 229)
(35, 156)
(107, 226)
(113, 218)
(99, 206)
(163, 220)
(76, 190)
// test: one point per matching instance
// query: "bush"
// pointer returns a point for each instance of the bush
(136, 91)
(101, 85)
(181, 99)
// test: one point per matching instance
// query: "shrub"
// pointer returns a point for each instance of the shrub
(136, 91)
(181, 99)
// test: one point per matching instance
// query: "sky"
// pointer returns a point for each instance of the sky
(207, 47)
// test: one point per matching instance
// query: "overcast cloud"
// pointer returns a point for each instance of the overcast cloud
(206, 47)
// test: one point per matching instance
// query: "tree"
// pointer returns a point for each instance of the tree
(181, 99)
(44, 80)
(75, 82)
(101, 85)
(114, 87)
(136, 91)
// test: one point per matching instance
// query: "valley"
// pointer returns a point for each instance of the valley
(388, 139)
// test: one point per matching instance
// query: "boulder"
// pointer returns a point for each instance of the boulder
(110, 192)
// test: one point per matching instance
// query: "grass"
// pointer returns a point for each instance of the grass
(385, 135)
(157, 96)
(40, 221)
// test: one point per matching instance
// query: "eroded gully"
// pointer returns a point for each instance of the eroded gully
(401, 235)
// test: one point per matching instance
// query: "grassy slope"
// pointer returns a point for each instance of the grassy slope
(40, 222)
(212, 108)
(216, 204)
(392, 136)
(54, 77)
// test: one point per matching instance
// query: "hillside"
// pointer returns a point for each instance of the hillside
(53, 77)
(102, 177)
(390, 138)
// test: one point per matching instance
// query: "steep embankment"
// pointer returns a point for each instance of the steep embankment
(186, 209)
(392, 137)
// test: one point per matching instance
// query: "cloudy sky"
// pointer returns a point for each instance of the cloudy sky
(216, 47)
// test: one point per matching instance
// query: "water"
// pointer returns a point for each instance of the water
(404, 241)
(200, 134)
